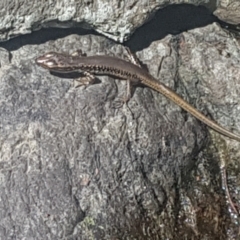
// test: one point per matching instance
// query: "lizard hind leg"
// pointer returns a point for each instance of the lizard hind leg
(130, 88)
(132, 57)
(120, 101)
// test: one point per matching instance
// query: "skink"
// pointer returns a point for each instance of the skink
(107, 65)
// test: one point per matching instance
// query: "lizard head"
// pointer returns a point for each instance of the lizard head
(53, 61)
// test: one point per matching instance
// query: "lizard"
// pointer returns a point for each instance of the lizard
(114, 66)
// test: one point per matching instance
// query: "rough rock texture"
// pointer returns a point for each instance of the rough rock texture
(75, 167)
(115, 19)
(228, 11)
(209, 64)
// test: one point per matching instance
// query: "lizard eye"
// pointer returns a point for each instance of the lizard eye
(50, 63)
(49, 55)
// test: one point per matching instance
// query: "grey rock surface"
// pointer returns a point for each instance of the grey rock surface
(75, 167)
(115, 19)
(211, 60)
(228, 11)
(72, 164)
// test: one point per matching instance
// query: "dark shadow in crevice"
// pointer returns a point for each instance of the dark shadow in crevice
(42, 36)
(172, 19)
